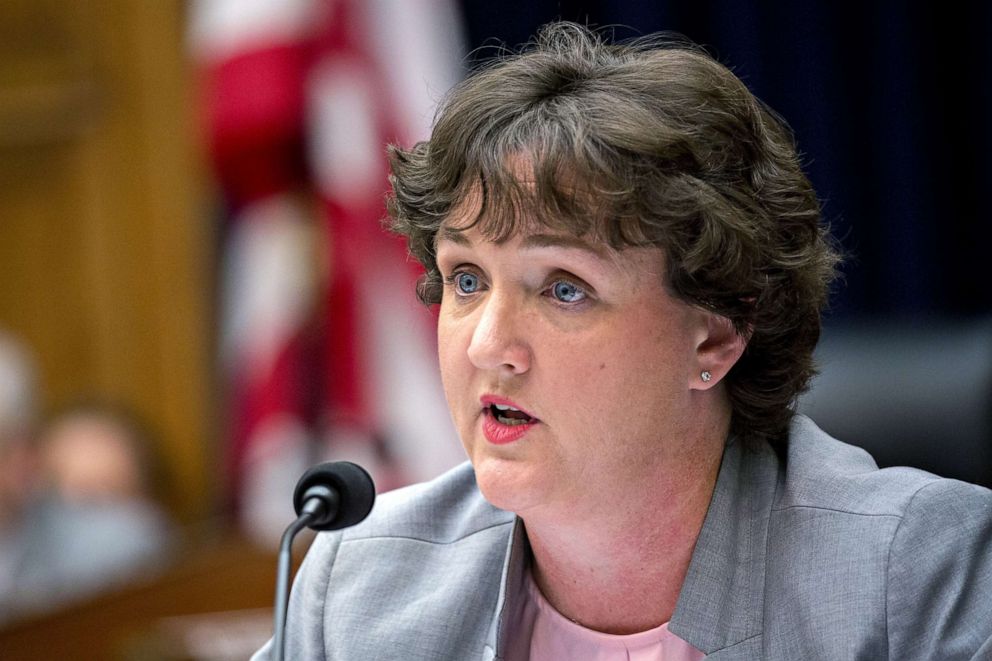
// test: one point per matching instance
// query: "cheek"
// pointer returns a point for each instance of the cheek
(452, 351)
(632, 373)
(445, 350)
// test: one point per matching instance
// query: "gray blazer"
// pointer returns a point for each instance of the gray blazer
(817, 556)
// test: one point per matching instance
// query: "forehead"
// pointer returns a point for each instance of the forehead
(467, 226)
(531, 239)
(500, 217)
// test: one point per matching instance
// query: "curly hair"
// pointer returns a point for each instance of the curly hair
(649, 142)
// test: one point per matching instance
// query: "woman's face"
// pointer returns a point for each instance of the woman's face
(596, 357)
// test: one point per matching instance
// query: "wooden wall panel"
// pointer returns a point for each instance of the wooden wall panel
(104, 253)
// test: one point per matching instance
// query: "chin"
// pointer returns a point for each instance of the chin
(508, 484)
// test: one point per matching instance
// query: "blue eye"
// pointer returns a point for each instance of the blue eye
(566, 292)
(466, 283)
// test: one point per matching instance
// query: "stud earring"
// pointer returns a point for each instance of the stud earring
(706, 376)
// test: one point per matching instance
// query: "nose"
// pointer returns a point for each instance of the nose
(498, 341)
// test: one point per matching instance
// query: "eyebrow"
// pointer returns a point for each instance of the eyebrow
(562, 241)
(530, 241)
(447, 234)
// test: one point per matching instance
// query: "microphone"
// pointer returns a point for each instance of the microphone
(336, 495)
(329, 496)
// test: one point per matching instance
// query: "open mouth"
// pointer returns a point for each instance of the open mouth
(507, 415)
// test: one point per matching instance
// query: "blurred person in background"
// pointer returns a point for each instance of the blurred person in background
(90, 522)
(18, 463)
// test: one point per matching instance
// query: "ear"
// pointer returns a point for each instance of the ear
(719, 349)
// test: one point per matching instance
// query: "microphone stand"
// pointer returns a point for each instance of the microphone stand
(313, 509)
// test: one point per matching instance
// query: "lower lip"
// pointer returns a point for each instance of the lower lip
(499, 434)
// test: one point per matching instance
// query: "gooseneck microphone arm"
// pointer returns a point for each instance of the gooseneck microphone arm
(318, 505)
(328, 497)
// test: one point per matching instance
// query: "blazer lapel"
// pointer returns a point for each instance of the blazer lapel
(719, 610)
(511, 593)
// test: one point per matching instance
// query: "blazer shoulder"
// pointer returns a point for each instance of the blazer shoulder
(822, 472)
(444, 510)
(940, 574)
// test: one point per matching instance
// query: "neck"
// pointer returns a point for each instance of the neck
(618, 565)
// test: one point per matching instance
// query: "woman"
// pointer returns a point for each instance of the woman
(630, 269)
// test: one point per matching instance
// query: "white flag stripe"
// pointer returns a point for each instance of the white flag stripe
(269, 283)
(220, 29)
(345, 147)
(418, 45)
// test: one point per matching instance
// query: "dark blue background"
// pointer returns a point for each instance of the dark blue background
(890, 103)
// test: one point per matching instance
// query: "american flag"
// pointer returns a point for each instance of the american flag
(325, 352)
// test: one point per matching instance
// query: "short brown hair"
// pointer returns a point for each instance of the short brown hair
(651, 142)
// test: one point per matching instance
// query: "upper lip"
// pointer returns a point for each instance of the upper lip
(489, 400)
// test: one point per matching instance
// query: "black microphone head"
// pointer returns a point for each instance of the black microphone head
(354, 486)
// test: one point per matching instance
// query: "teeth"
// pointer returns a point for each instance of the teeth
(507, 415)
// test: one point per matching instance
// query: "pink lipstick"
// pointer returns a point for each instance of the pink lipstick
(503, 421)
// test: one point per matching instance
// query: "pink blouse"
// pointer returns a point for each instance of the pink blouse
(544, 634)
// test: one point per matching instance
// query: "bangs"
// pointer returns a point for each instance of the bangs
(541, 173)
